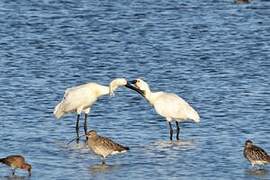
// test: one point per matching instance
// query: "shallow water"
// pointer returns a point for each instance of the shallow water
(214, 54)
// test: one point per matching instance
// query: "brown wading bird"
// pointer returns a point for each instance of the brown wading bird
(255, 155)
(103, 146)
(16, 161)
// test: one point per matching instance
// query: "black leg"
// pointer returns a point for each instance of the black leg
(85, 125)
(171, 131)
(13, 172)
(103, 161)
(177, 130)
(77, 128)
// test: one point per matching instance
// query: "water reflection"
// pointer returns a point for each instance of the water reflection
(257, 172)
(102, 168)
(81, 145)
(180, 144)
(14, 177)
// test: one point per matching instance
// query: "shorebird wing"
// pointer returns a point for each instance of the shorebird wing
(108, 143)
(13, 159)
(258, 153)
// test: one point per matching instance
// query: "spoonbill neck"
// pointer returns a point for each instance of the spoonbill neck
(151, 96)
(103, 90)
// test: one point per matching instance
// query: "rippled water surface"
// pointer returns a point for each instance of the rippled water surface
(214, 54)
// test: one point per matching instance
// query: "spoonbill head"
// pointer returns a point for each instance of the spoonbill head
(141, 85)
(170, 106)
(117, 83)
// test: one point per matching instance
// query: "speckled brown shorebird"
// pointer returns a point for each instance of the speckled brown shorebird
(255, 154)
(103, 146)
(15, 162)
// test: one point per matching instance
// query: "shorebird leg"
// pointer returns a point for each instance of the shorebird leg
(77, 128)
(103, 161)
(85, 125)
(177, 130)
(171, 131)
(13, 171)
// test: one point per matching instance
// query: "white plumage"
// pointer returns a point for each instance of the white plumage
(168, 105)
(79, 99)
(173, 107)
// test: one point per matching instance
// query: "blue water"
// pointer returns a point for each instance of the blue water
(214, 54)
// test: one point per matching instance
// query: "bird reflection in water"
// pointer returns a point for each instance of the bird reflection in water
(102, 168)
(257, 172)
(180, 144)
(14, 177)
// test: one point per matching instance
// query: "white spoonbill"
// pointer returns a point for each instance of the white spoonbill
(79, 99)
(168, 105)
